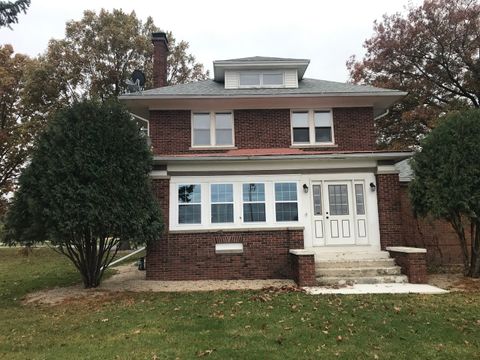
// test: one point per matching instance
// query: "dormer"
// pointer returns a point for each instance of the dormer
(260, 72)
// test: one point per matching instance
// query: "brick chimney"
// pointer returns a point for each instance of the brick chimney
(160, 52)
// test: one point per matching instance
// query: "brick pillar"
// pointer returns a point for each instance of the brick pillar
(157, 251)
(160, 53)
(389, 209)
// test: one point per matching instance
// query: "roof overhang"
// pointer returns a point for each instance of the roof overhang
(393, 157)
(219, 66)
(142, 104)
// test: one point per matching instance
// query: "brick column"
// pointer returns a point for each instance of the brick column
(413, 262)
(389, 207)
(303, 267)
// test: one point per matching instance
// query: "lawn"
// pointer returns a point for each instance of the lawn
(223, 325)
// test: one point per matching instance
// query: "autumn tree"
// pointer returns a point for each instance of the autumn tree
(100, 51)
(446, 184)
(86, 188)
(431, 51)
(9, 11)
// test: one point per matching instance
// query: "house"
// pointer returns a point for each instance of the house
(263, 173)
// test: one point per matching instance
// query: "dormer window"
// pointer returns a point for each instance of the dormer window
(261, 79)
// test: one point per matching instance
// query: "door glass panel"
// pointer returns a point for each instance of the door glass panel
(317, 199)
(338, 199)
(359, 199)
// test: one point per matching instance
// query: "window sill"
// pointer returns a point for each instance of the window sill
(236, 229)
(193, 148)
(325, 145)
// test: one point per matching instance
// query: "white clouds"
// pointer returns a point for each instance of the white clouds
(327, 32)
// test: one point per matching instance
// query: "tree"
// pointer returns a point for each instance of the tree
(86, 188)
(9, 11)
(433, 53)
(99, 53)
(446, 184)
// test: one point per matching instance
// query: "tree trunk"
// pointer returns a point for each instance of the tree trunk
(474, 270)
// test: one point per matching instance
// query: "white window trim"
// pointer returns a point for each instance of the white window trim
(213, 144)
(311, 127)
(261, 73)
(238, 222)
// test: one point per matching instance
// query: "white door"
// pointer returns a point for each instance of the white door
(317, 215)
(339, 216)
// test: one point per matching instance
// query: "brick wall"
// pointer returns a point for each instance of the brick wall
(389, 210)
(437, 236)
(191, 256)
(414, 265)
(170, 130)
(303, 270)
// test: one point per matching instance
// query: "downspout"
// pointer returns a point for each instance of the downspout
(382, 115)
(124, 257)
(143, 119)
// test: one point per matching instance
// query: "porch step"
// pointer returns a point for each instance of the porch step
(367, 271)
(366, 263)
(346, 280)
(350, 255)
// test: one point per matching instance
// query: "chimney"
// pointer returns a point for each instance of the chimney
(160, 52)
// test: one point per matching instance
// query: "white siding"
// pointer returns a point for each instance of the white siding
(231, 79)
(291, 78)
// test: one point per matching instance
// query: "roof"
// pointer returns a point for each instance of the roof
(261, 58)
(286, 154)
(405, 170)
(211, 88)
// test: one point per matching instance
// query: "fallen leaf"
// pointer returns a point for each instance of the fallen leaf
(205, 353)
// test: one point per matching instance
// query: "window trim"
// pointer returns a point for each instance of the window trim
(261, 84)
(213, 134)
(311, 127)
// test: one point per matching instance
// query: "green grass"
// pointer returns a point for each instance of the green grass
(223, 325)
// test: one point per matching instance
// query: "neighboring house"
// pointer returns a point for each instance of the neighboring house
(261, 161)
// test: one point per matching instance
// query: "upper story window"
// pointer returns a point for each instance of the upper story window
(212, 129)
(312, 127)
(261, 79)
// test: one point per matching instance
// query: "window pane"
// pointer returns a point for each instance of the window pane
(359, 199)
(189, 214)
(221, 193)
(317, 199)
(201, 137)
(249, 78)
(286, 211)
(201, 121)
(323, 134)
(322, 118)
(285, 191)
(223, 137)
(273, 79)
(338, 199)
(254, 212)
(301, 135)
(223, 121)
(222, 213)
(189, 194)
(253, 192)
(300, 119)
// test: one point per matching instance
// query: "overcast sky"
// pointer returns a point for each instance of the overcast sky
(325, 31)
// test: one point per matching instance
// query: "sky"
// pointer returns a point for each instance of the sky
(325, 31)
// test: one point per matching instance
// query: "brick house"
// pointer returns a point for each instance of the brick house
(263, 173)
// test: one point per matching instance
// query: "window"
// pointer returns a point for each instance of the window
(261, 79)
(338, 199)
(317, 199)
(360, 199)
(286, 206)
(312, 127)
(300, 127)
(189, 204)
(212, 129)
(254, 202)
(221, 196)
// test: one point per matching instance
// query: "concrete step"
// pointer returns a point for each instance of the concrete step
(373, 263)
(346, 280)
(358, 271)
(350, 255)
